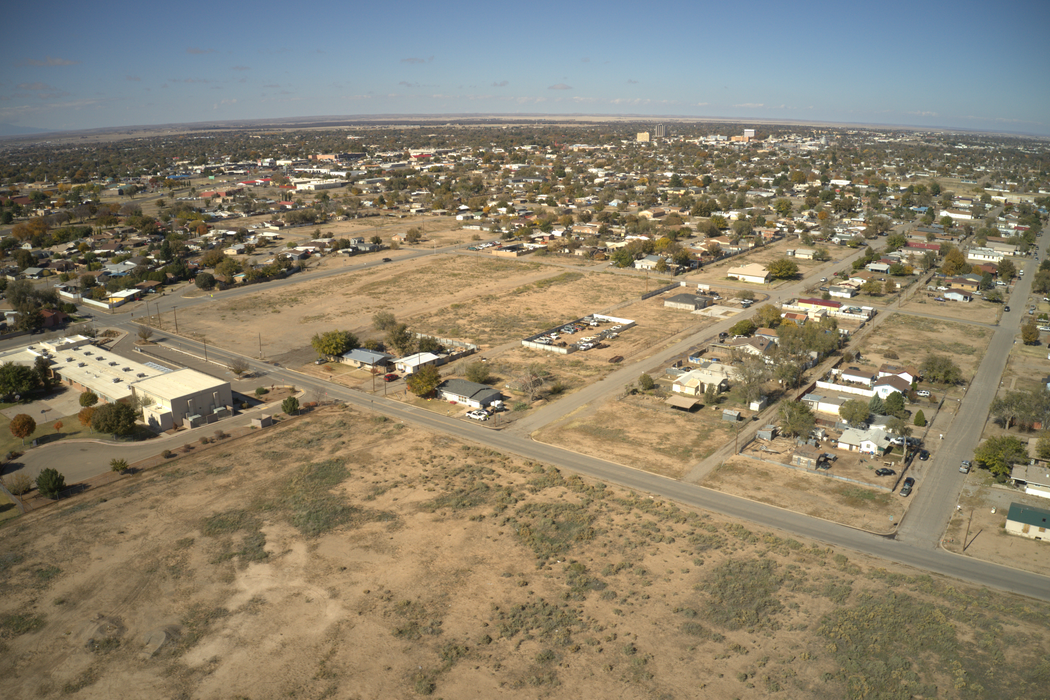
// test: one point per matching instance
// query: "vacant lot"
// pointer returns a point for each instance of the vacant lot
(977, 310)
(813, 494)
(643, 432)
(483, 299)
(912, 338)
(347, 556)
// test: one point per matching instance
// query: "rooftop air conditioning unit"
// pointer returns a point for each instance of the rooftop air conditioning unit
(81, 364)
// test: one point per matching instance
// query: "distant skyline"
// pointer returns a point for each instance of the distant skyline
(959, 65)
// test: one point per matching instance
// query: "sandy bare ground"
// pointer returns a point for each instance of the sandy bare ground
(976, 310)
(341, 555)
(482, 299)
(913, 337)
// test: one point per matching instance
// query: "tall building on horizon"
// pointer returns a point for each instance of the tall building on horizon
(660, 131)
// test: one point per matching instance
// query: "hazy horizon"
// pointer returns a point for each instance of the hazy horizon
(926, 65)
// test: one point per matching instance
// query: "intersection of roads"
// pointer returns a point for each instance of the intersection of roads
(916, 542)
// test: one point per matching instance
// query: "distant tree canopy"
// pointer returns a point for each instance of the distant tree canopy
(333, 343)
(1000, 453)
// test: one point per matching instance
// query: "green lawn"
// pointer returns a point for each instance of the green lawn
(44, 433)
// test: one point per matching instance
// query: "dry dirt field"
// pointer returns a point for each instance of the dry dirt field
(713, 274)
(342, 555)
(811, 494)
(913, 337)
(481, 299)
(641, 431)
(977, 310)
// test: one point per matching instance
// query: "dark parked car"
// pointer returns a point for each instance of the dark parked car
(924, 455)
(386, 259)
(909, 483)
(883, 471)
(1006, 308)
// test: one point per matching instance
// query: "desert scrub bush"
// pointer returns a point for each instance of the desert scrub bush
(417, 621)
(167, 454)
(743, 593)
(16, 624)
(539, 619)
(551, 529)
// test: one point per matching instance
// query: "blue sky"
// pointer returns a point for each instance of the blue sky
(964, 65)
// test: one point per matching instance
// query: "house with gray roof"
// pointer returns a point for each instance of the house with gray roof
(360, 357)
(469, 393)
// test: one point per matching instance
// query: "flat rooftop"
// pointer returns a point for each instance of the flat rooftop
(181, 382)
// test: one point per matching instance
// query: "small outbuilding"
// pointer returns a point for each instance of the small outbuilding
(1028, 521)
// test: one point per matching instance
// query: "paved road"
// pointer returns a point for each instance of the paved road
(937, 493)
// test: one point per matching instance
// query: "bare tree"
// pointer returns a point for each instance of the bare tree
(145, 333)
(238, 366)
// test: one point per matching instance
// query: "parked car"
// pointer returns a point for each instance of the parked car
(386, 259)
(965, 467)
(1006, 308)
(883, 471)
(923, 455)
(478, 415)
(616, 358)
(909, 484)
(923, 393)
(389, 377)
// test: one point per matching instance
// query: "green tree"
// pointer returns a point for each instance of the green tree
(938, 368)
(646, 383)
(854, 412)
(898, 426)
(50, 483)
(401, 339)
(478, 372)
(424, 380)
(22, 426)
(783, 269)
(752, 373)
(88, 399)
(205, 280)
(1007, 269)
(17, 379)
(290, 405)
(1030, 333)
(114, 418)
(768, 316)
(999, 454)
(333, 343)
(383, 320)
(743, 327)
(954, 263)
(920, 419)
(895, 405)
(118, 465)
(876, 405)
(796, 419)
(1042, 448)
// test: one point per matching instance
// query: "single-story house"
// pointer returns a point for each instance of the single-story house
(858, 377)
(649, 262)
(908, 374)
(884, 386)
(412, 363)
(752, 272)
(689, 302)
(469, 393)
(841, 291)
(1028, 521)
(360, 357)
(873, 442)
(957, 295)
(696, 381)
(1035, 478)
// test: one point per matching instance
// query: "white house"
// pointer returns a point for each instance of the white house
(752, 272)
(412, 363)
(1028, 521)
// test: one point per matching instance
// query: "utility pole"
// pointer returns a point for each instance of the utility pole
(966, 537)
(205, 341)
(175, 313)
(260, 347)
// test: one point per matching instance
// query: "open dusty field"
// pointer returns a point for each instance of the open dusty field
(1026, 366)
(712, 274)
(977, 310)
(641, 431)
(346, 556)
(913, 337)
(482, 299)
(813, 494)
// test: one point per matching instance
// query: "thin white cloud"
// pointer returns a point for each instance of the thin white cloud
(49, 62)
(193, 50)
(923, 114)
(133, 78)
(750, 105)
(560, 86)
(240, 68)
(34, 86)
(502, 83)
(632, 82)
(417, 60)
